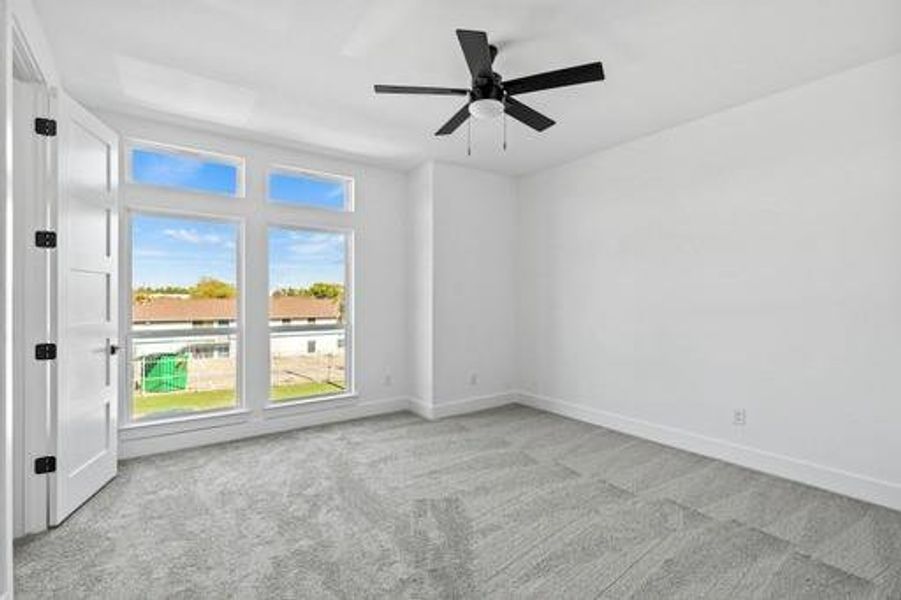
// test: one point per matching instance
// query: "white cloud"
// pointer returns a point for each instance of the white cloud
(170, 172)
(192, 236)
(324, 248)
(151, 253)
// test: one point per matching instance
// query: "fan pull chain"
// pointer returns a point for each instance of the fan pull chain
(505, 128)
(468, 137)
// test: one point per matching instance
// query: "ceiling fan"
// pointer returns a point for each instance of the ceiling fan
(490, 96)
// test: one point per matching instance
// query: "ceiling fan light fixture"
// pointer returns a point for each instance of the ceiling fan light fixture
(486, 108)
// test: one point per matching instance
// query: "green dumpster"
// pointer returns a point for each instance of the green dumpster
(164, 372)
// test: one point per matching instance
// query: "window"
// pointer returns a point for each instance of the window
(313, 190)
(184, 332)
(308, 280)
(187, 170)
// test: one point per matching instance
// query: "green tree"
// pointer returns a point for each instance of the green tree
(290, 291)
(326, 290)
(316, 290)
(210, 287)
(143, 293)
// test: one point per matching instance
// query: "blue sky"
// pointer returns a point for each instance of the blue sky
(181, 171)
(179, 251)
(307, 190)
(298, 258)
(176, 251)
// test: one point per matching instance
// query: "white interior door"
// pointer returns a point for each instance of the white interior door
(84, 415)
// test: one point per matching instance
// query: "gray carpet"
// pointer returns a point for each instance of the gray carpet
(508, 503)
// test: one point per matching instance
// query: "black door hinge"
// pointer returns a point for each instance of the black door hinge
(45, 239)
(44, 126)
(45, 464)
(45, 351)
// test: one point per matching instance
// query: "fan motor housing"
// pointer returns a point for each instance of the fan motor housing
(485, 88)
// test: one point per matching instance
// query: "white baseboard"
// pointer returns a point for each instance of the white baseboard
(167, 442)
(835, 480)
(133, 444)
(439, 409)
(850, 484)
(421, 407)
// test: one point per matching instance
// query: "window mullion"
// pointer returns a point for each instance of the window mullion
(256, 311)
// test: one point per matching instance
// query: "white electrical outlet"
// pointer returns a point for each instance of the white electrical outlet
(739, 417)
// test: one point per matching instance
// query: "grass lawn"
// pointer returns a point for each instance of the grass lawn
(282, 393)
(180, 402)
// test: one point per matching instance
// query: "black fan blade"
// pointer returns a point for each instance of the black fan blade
(476, 50)
(554, 79)
(529, 116)
(417, 89)
(455, 121)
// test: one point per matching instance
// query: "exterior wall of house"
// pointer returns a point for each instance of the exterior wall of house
(290, 343)
(225, 345)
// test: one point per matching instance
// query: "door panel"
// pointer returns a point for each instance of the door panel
(93, 288)
(92, 221)
(87, 276)
(88, 356)
(89, 162)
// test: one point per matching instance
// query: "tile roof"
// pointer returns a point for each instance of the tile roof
(166, 309)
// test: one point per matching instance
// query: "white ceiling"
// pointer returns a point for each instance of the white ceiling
(301, 71)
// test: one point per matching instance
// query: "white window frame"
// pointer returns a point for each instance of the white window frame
(347, 326)
(282, 169)
(238, 162)
(129, 335)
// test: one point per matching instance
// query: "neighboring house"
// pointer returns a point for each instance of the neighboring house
(174, 313)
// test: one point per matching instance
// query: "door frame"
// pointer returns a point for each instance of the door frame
(34, 192)
(29, 62)
(24, 48)
(6, 321)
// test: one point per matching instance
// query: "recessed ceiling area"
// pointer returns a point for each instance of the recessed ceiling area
(301, 73)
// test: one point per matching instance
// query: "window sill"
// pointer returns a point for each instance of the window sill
(139, 430)
(175, 425)
(307, 405)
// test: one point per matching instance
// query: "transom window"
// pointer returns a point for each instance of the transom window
(307, 189)
(189, 170)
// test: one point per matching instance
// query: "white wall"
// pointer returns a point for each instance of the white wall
(462, 330)
(751, 259)
(474, 280)
(380, 280)
(420, 264)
